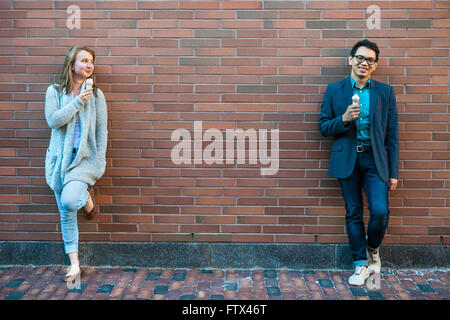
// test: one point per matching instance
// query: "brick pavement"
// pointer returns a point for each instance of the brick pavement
(45, 283)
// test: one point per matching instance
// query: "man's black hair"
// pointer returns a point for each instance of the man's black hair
(366, 43)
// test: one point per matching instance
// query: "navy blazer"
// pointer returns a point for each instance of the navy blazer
(383, 129)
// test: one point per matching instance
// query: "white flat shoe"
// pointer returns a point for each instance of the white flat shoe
(71, 276)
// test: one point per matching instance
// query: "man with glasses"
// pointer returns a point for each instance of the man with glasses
(364, 153)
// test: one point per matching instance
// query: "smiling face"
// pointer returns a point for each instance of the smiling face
(83, 66)
(362, 70)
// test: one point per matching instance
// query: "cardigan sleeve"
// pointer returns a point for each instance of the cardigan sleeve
(58, 116)
(101, 125)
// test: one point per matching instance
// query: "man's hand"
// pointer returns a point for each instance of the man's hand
(351, 114)
(392, 184)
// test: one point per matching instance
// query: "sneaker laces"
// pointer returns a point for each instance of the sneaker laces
(359, 270)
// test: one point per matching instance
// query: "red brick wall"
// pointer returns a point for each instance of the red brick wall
(230, 64)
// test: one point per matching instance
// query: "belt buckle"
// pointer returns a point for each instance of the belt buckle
(359, 148)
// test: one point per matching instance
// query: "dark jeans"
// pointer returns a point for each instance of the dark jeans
(365, 176)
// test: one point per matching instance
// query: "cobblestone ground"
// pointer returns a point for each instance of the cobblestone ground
(45, 283)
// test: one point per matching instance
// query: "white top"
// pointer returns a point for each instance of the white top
(76, 140)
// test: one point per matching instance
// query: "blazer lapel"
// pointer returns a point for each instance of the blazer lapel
(347, 96)
(348, 92)
(373, 102)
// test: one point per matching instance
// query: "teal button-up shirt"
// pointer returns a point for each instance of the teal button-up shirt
(363, 120)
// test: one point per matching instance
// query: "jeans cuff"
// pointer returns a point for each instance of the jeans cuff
(69, 248)
(359, 263)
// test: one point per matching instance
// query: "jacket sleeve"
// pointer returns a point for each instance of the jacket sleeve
(58, 116)
(101, 134)
(330, 124)
(391, 140)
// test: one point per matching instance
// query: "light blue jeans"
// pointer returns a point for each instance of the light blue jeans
(69, 201)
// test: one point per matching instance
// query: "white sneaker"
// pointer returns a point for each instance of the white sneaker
(374, 261)
(358, 278)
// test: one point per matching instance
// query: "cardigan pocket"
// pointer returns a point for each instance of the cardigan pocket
(50, 161)
(53, 171)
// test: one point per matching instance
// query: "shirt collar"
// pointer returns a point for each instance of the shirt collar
(366, 86)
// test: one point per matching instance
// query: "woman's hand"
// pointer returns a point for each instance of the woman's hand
(85, 95)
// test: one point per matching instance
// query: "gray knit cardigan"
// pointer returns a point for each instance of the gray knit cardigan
(89, 163)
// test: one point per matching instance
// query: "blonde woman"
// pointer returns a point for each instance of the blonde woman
(76, 111)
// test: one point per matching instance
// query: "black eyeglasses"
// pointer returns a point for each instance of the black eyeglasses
(361, 59)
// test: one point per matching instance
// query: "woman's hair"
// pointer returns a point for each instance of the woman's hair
(66, 77)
